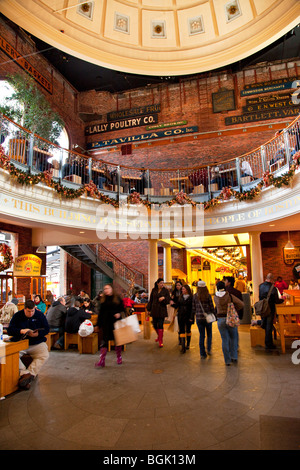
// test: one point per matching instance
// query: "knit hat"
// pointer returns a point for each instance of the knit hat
(201, 284)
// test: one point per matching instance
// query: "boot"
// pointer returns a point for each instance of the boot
(188, 340)
(182, 344)
(157, 335)
(101, 362)
(119, 354)
(160, 338)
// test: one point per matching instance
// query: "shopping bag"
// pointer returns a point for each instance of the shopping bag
(232, 318)
(124, 334)
(132, 320)
(147, 328)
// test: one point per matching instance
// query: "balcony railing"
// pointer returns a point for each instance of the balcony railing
(34, 154)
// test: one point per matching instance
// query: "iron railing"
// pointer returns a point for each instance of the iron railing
(35, 154)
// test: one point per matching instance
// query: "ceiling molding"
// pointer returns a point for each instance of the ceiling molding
(169, 38)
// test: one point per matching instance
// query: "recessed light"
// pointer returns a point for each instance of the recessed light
(81, 232)
(271, 225)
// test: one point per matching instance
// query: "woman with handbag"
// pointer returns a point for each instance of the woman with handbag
(157, 306)
(229, 334)
(111, 308)
(203, 307)
(183, 304)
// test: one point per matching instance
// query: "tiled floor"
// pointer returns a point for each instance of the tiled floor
(158, 399)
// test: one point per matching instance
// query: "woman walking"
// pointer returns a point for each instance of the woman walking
(185, 316)
(228, 333)
(110, 311)
(202, 305)
(157, 307)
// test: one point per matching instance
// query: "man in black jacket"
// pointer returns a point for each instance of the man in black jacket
(32, 323)
(267, 322)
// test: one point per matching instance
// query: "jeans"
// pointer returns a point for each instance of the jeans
(202, 327)
(229, 337)
(267, 324)
(61, 331)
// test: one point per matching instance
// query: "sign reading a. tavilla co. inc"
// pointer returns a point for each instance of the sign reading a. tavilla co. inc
(27, 265)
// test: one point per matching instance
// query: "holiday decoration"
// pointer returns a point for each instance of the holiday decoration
(227, 193)
(6, 257)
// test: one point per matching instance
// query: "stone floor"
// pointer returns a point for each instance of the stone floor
(159, 399)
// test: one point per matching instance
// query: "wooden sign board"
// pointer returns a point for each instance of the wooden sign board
(223, 101)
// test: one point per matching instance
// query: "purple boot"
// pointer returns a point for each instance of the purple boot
(118, 352)
(101, 362)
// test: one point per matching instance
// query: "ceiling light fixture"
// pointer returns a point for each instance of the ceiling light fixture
(41, 249)
(289, 245)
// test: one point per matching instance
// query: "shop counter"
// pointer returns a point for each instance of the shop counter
(9, 367)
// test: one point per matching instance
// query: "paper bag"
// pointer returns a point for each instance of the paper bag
(124, 335)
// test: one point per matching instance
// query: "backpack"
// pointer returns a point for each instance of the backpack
(262, 307)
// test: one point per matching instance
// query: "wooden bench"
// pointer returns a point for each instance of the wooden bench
(89, 344)
(86, 345)
(257, 336)
(52, 337)
(140, 310)
(287, 322)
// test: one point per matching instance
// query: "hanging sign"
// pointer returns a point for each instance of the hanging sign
(143, 137)
(223, 101)
(122, 124)
(139, 111)
(266, 87)
(206, 266)
(24, 64)
(290, 256)
(27, 265)
(263, 115)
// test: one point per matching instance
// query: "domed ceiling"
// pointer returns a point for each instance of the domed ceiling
(156, 37)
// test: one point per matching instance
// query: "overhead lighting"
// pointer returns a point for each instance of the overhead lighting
(289, 245)
(41, 249)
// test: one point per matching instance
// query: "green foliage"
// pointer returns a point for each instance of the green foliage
(28, 107)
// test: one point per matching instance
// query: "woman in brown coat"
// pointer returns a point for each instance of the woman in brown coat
(157, 306)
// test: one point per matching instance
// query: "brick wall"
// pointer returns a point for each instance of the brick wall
(272, 256)
(64, 99)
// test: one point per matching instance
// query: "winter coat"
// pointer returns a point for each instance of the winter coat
(7, 312)
(184, 308)
(222, 298)
(106, 317)
(158, 309)
(75, 316)
(56, 314)
(207, 305)
(20, 322)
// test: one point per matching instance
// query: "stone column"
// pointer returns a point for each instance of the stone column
(167, 264)
(152, 265)
(62, 272)
(256, 263)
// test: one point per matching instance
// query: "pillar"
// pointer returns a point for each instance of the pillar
(167, 264)
(62, 272)
(256, 264)
(152, 264)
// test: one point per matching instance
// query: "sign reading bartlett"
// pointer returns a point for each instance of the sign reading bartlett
(27, 265)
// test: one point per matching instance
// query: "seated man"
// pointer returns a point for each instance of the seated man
(56, 317)
(75, 316)
(31, 323)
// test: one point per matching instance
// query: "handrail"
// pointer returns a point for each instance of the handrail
(36, 154)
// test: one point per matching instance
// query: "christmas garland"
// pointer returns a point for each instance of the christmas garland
(181, 198)
(6, 253)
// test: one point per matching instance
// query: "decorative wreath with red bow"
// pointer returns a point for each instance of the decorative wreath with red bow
(5, 256)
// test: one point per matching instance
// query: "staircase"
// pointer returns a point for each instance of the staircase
(106, 262)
